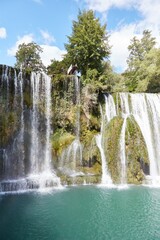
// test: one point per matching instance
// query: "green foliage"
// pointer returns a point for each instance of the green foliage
(112, 147)
(7, 126)
(28, 58)
(139, 49)
(149, 72)
(57, 67)
(88, 44)
(107, 81)
(147, 77)
(60, 140)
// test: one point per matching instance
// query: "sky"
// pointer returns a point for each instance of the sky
(49, 22)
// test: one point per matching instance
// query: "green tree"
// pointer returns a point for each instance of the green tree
(57, 67)
(149, 72)
(138, 52)
(139, 48)
(88, 44)
(28, 58)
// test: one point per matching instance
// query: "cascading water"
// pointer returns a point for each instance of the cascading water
(35, 148)
(110, 112)
(47, 158)
(21, 135)
(110, 108)
(25, 159)
(73, 154)
(13, 157)
(144, 108)
(15, 88)
(23, 170)
(125, 113)
(153, 101)
(123, 152)
(40, 153)
(106, 179)
(76, 145)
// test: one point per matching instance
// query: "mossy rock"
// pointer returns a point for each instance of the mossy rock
(61, 140)
(112, 147)
(8, 125)
(136, 153)
(27, 99)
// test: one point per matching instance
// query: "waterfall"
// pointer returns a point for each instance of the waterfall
(124, 104)
(72, 155)
(76, 146)
(125, 112)
(13, 163)
(15, 88)
(35, 148)
(110, 108)
(28, 166)
(106, 179)
(40, 154)
(145, 110)
(48, 123)
(78, 101)
(154, 101)
(110, 112)
(25, 153)
(20, 139)
(123, 152)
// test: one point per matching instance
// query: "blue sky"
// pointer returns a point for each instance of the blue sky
(48, 22)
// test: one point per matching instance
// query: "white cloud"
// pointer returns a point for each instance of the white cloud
(51, 52)
(48, 38)
(3, 32)
(150, 11)
(120, 39)
(105, 5)
(25, 39)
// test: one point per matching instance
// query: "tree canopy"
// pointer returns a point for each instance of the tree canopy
(139, 50)
(88, 44)
(28, 57)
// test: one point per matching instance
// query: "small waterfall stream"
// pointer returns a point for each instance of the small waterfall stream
(106, 179)
(110, 108)
(123, 152)
(110, 112)
(21, 134)
(77, 146)
(72, 155)
(125, 113)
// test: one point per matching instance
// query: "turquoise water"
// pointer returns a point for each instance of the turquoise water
(82, 213)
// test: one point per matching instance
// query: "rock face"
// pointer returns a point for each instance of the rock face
(76, 119)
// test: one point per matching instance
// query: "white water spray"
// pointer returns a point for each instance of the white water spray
(40, 156)
(106, 179)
